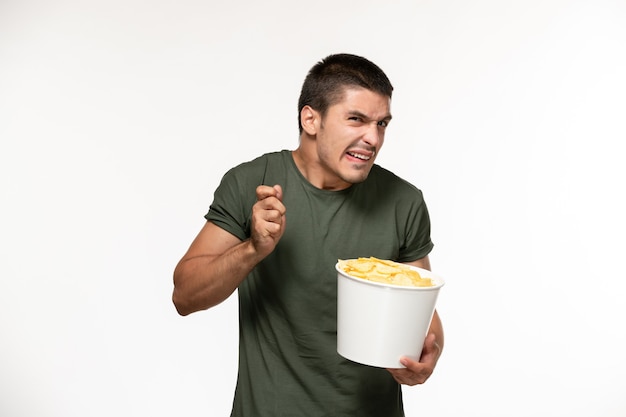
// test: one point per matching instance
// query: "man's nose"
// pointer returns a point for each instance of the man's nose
(373, 135)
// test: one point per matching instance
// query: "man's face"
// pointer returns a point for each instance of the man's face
(350, 136)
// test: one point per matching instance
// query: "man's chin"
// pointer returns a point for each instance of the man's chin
(357, 179)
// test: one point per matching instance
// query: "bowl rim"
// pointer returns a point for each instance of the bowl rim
(440, 282)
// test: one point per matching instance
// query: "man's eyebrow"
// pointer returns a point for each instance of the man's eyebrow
(366, 117)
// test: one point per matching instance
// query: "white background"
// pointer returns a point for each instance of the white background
(118, 119)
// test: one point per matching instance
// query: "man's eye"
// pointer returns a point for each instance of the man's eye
(355, 118)
(383, 123)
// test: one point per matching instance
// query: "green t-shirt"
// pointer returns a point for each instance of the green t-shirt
(288, 360)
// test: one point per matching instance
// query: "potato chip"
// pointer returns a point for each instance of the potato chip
(384, 271)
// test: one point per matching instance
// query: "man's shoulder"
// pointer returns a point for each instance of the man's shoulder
(390, 181)
(262, 161)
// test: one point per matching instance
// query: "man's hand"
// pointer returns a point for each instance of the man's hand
(268, 219)
(418, 372)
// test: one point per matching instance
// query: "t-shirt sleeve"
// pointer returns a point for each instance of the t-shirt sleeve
(230, 209)
(418, 242)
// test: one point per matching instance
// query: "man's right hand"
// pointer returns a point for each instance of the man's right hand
(268, 219)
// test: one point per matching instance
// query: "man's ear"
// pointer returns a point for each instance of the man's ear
(310, 120)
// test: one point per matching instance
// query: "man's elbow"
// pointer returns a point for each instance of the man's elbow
(179, 299)
(181, 306)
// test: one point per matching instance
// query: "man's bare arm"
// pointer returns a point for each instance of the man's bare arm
(217, 261)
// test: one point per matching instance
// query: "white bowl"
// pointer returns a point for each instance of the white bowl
(378, 323)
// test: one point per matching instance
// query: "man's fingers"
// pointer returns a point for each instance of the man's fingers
(269, 203)
(272, 216)
(265, 191)
(279, 192)
(268, 217)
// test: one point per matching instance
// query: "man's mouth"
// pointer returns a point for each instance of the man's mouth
(361, 156)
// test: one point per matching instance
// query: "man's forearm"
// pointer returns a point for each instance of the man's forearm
(204, 281)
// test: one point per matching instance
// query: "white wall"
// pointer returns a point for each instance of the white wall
(118, 118)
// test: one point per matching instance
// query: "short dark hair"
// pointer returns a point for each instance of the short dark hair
(325, 83)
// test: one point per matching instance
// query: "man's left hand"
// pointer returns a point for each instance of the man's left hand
(418, 372)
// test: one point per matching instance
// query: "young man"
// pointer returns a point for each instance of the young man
(275, 230)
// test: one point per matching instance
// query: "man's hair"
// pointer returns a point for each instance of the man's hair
(325, 83)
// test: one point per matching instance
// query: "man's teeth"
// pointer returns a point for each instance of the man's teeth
(358, 155)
